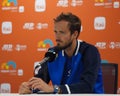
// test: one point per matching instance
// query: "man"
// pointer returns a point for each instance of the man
(77, 67)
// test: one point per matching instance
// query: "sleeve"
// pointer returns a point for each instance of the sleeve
(91, 62)
(42, 72)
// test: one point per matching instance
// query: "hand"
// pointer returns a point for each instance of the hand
(118, 91)
(37, 83)
(24, 88)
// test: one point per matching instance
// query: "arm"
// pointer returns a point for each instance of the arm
(42, 76)
(43, 73)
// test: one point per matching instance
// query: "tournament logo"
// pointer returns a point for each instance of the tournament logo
(8, 65)
(12, 5)
(44, 45)
(9, 3)
(104, 3)
(10, 68)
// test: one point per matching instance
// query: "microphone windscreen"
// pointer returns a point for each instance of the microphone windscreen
(54, 49)
(52, 53)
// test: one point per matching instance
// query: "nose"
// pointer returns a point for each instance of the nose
(57, 35)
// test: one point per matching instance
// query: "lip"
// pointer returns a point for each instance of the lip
(58, 41)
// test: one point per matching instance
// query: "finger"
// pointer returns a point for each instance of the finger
(34, 80)
(24, 85)
(24, 89)
(38, 86)
(31, 79)
(33, 84)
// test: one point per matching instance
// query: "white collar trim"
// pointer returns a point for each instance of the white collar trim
(78, 46)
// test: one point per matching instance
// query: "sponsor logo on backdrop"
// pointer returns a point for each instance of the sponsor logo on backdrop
(101, 45)
(104, 3)
(44, 45)
(21, 9)
(6, 27)
(10, 68)
(114, 45)
(19, 47)
(75, 3)
(99, 23)
(12, 5)
(11, 47)
(9, 2)
(32, 26)
(40, 26)
(116, 4)
(5, 88)
(20, 72)
(62, 3)
(106, 45)
(29, 26)
(107, 3)
(67, 3)
(40, 5)
(7, 47)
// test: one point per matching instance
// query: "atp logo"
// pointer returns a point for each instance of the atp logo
(9, 2)
(43, 45)
(8, 65)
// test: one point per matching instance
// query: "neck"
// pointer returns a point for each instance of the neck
(70, 51)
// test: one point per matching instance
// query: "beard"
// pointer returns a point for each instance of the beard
(64, 47)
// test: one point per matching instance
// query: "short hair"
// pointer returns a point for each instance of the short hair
(74, 22)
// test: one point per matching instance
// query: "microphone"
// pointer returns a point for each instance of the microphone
(50, 56)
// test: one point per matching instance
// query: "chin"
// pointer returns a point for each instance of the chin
(60, 47)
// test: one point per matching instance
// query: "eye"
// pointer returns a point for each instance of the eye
(55, 31)
(61, 32)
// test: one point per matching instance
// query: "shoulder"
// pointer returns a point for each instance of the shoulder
(84, 46)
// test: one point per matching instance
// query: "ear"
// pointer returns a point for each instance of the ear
(75, 34)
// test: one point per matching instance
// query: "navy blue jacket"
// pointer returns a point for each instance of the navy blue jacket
(86, 74)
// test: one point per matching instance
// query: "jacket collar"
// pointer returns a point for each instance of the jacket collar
(76, 49)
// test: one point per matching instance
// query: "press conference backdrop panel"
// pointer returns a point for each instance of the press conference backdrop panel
(26, 32)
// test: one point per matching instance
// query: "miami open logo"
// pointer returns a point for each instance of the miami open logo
(9, 2)
(11, 5)
(8, 68)
(44, 45)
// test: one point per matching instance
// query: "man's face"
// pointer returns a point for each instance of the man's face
(63, 36)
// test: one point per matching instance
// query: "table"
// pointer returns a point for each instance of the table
(16, 94)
